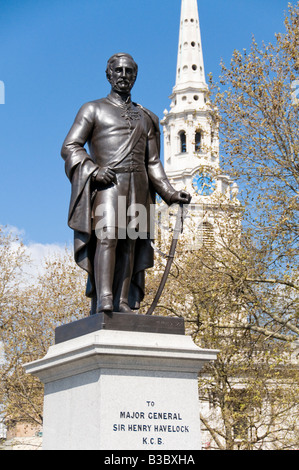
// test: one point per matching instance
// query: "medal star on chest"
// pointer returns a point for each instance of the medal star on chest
(130, 114)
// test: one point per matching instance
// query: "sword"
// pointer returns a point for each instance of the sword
(178, 229)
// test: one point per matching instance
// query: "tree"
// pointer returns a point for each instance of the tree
(29, 316)
(259, 130)
(12, 262)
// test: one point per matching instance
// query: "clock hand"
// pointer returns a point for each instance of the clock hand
(202, 188)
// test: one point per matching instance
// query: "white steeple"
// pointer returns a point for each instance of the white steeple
(190, 140)
(191, 134)
(190, 66)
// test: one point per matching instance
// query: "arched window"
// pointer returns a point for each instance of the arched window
(207, 234)
(183, 144)
(197, 141)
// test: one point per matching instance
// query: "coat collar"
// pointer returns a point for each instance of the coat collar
(116, 99)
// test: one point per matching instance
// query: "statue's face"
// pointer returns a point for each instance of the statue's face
(122, 76)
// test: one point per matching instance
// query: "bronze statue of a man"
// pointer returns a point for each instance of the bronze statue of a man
(124, 165)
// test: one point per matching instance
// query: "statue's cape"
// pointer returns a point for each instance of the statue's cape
(79, 168)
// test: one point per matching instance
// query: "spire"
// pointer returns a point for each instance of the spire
(191, 137)
(190, 66)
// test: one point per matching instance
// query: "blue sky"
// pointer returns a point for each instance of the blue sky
(53, 57)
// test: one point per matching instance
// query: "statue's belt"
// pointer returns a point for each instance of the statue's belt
(132, 168)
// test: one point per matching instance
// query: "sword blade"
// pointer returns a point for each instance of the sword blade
(177, 231)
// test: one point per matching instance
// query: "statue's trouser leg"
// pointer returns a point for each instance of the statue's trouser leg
(104, 265)
(128, 257)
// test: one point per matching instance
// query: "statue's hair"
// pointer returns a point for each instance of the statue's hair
(117, 56)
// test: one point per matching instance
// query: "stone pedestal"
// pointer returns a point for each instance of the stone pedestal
(121, 390)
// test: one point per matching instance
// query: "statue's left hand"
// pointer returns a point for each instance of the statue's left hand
(180, 197)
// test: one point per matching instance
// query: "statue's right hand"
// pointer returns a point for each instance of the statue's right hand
(105, 176)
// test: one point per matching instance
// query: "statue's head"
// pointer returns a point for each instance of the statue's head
(122, 72)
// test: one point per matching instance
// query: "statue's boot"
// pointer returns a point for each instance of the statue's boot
(105, 304)
(124, 306)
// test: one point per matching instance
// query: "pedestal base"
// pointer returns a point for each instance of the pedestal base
(120, 322)
(121, 390)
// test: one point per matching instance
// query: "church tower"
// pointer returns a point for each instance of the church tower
(191, 142)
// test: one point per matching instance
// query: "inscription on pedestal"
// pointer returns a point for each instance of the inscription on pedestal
(152, 425)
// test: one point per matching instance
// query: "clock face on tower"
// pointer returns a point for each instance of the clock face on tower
(203, 184)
